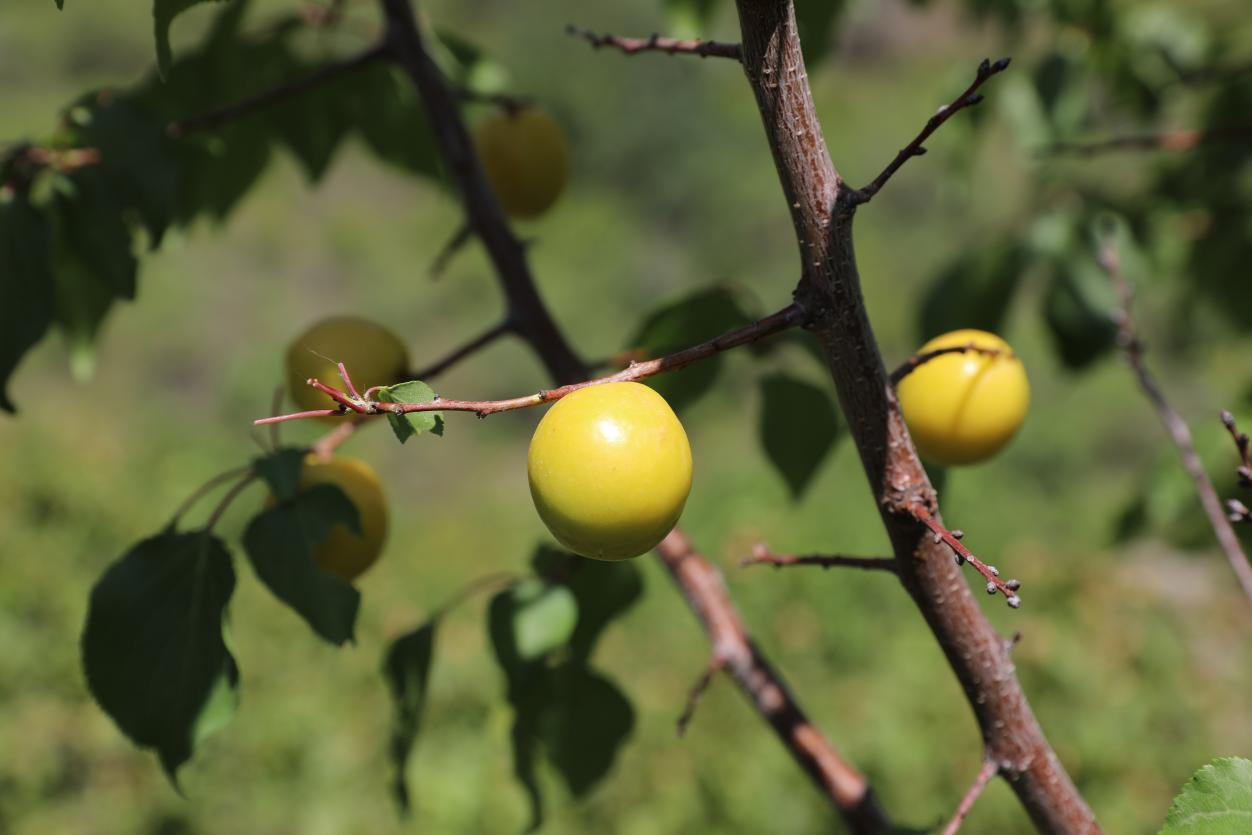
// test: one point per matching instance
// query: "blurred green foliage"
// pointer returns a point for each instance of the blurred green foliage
(1134, 646)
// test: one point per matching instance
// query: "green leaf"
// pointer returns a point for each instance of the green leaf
(692, 319)
(973, 292)
(60, 3)
(815, 23)
(163, 14)
(530, 620)
(603, 592)
(153, 649)
(799, 426)
(281, 471)
(280, 542)
(1077, 308)
(406, 668)
(585, 725)
(384, 108)
(26, 292)
(1216, 801)
(411, 423)
(689, 18)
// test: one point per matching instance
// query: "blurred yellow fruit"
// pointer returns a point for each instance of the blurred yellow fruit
(526, 158)
(610, 470)
(344, 553)
(962, 408)
(372, 354)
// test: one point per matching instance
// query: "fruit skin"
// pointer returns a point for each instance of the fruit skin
(610, 470)
(344, 553)
(962, 408)
(526, 158)
(372, 354)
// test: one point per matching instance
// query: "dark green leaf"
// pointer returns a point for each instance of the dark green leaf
(153, 650)
(585, 725)
(384, 108)
(974, 292)
(530, 620)
(411, 423)
(799, 426)
(407, 670)
(26, 292)
(281, 471)
(280, 542)
(815, 23)
(1216, 801)
(1078, 309)
(602, 590)
(690, 320)
(163, 14)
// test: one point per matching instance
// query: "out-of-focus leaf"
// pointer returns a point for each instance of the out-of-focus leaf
(281, 471)
(974, 292)
(530, 620)
(689, 18)
(163, 14)
(385, 110)
(815, 22)
(468, 64)
(1216, 801)
(1077, 308)
(798, 427)
(585, 726)
(153, 649)
(690, 320)
(603, 590)
(280, 542)
(26, 293)
(406, 668)
(411, 423)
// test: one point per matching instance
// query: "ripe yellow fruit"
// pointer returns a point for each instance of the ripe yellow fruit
(962, 408)
(344, 553)
(526, 158)
(373, 355)
(610, 470)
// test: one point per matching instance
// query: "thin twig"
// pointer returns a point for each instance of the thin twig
(989, 769)
(228, 498)
(784, 319)
(1170, 140)
(697, 690)
(504, 326)
(763, 556)
(969, 98)
(952, 539)
(222, 115)
(206, 488)
(488, 582)
(1242, 446)
(1179, 432)
(910, 365)
(658, 43)
(454, 245)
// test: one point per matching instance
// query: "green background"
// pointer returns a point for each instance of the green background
(1134, 654)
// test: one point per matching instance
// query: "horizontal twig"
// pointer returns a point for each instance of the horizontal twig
(784, 319)
(658, 43)
(1170, 140)
(763, 556)
(230, 112)
(968, 98)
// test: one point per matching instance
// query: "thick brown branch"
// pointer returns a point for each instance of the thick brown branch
(969, 98)
(784, 319)
(696, 578)
(1179, 432)
(1170, 140)
(821, 211)
(988, 770)
(230, 112)
(657, 43)
(763, 556)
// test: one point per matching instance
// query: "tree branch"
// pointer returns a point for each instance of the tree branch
(784, 319)
(763, 556)
(1170, 140)
(501, 328)
(911, 364)
(658, 43)
(230, 112)
(969, 98)
(953, 540)
(988, 770)
(1179, 433)
(822, 210)
(697, 580)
